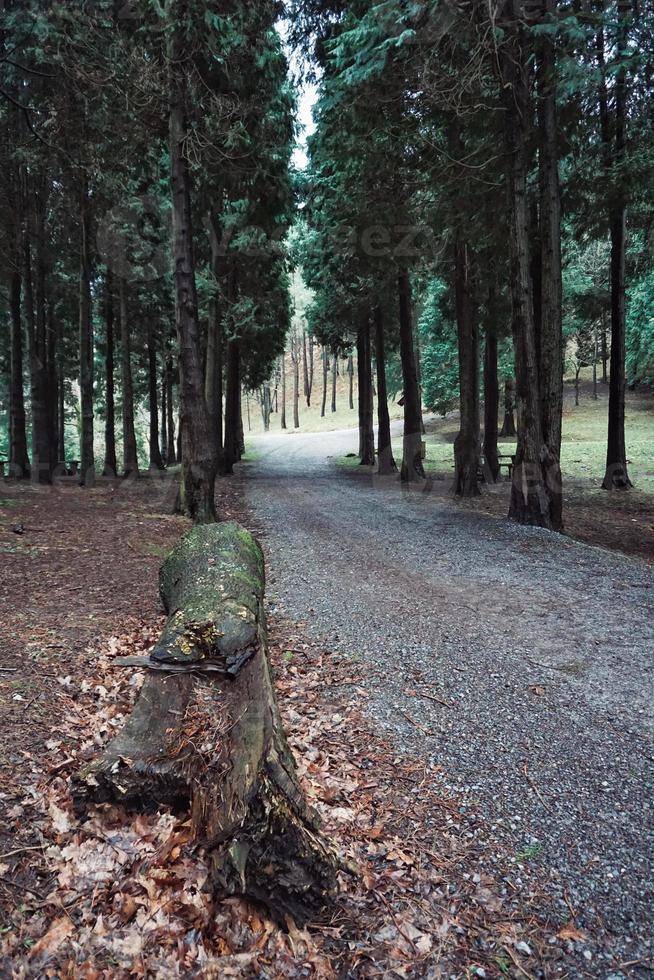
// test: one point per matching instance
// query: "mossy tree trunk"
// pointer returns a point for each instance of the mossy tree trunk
(206, 734)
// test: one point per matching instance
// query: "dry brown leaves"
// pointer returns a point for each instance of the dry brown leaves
(124, 896)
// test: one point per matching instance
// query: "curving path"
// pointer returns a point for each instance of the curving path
(542, 647)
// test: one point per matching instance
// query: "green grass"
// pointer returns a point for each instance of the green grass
(531, 853)
(583, 448)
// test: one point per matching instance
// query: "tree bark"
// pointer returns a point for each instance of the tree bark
(196, 498)
(110, 464)
(35, 315)
(325, 362)
(231, 452)
(530, 497)
(19, 465)
(87, 457)
(334, 378)
(130, 455)
(364, 367)
(551, 288)
(491, 401)
(412, 469)
(296, 385)
(266, 407)
(171, 455)
(205, 736)
(156, 462)
(164, 413)
(213, 378)
(350, 373)
(311, 345)
(283, 411)
(508, 425)
(305, 370)
(385, 460)
(466, 444)
(616, 476)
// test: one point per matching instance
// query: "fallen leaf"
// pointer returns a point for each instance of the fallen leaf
(60, 930)
(571, 932)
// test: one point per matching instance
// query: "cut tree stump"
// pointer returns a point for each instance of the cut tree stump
(205, 734)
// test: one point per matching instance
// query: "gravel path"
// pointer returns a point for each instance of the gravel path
(541, 647)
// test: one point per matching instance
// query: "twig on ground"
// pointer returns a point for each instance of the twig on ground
(20, 850)
(533, 785)
(516, 963)
(395, 920)
(433, 697)
(425, 731)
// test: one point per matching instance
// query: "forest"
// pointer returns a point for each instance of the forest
(306, 308)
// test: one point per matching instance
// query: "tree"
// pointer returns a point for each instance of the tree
(534, 500)
(385, 460)
(614, 140)
(110, 464)
(198, 451)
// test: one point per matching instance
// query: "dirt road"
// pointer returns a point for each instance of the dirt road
(521, 661)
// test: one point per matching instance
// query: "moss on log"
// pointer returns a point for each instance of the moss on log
(205, 734)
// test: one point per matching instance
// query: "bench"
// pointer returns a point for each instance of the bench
(504, 459)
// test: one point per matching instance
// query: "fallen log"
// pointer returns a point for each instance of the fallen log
(205, 734)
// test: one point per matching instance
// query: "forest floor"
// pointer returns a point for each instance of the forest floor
(467, 702)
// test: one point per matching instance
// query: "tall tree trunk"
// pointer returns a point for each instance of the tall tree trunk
(164, 414)
(530, 497)
(491, 400)
(551, 327)
(616, 476)
(52, 384)
(156, 462)
(305, 370)
(110, 464)
(171, 454)
(296, 386)
(283, 411)
(508, 425)
(130, 455)
(466, 444)
(18, 458)
(334, 377)
(325, 363)
(385, 460)
(605, 353)
(416, 340)
(350, 373)
(198, 450)
(311, 345)
(231, 452)
(61, 414)
(241, 433)
(412, 468)
(364, 366)
(87, 457)
(213, 378)
(266, 407)
(35, 314)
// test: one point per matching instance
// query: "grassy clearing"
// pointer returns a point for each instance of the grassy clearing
(583, 450)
